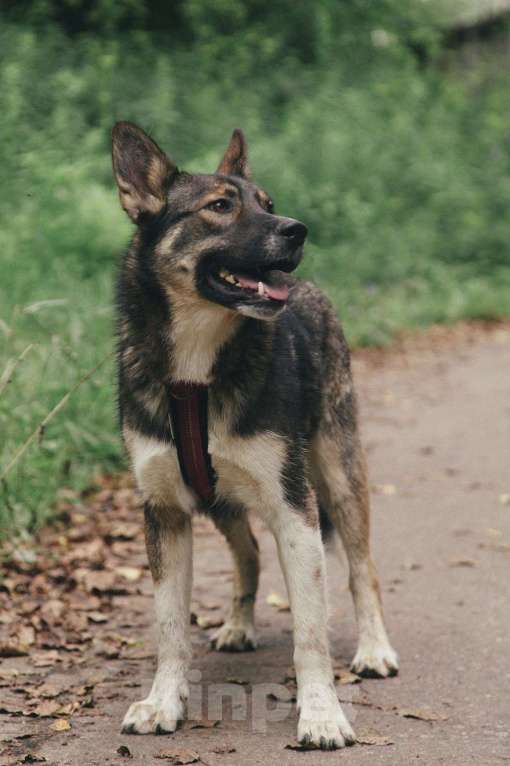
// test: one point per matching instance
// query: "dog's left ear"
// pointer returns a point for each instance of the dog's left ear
(142, 170)
(235, 160)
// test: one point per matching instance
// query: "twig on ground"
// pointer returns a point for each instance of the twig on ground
(44, 422)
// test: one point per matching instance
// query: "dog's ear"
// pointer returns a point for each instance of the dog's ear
(142, 170)
(235, 160)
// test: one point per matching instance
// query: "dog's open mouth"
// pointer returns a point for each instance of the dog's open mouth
(265, 284)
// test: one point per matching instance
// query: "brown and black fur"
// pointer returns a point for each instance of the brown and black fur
(278, 368)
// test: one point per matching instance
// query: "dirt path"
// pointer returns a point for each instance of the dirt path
(437, 432)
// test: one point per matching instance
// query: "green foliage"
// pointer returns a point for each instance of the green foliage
(401, 173)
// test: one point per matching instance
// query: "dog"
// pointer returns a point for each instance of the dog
(236, 398)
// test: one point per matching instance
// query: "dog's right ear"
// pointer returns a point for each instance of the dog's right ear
(142, 170)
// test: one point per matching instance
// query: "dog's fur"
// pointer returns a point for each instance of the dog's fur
(283, 432)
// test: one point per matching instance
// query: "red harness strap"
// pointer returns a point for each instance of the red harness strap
(188, 415)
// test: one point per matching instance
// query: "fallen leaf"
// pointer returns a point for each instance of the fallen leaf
(47, 709)
(97, 617)
(375, 740)
(26, 636)
(99, 582)
(132, 574)
(61, 725)
(384, 489)
(123, 531)
(47, 690)
(77, 623)
(12, 648)
(204, 723)
(279, 603)
(178, 757)
(124, 751)
(106, 648)
(209, 622)
(421, 714)
(8, 674)
(223, 749)
(91, 551)
(137, 654)
(71, 707)
(346, 677)
(52, 610)
(45, 659)
(33, 758)
(14, 708)
(84, 602)
(463, 563)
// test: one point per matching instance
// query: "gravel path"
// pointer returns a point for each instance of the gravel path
(436, 425)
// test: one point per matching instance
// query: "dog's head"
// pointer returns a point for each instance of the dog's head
(216, 235)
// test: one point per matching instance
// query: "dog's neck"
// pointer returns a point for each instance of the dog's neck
(198, 330)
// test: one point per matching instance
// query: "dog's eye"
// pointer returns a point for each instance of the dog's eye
(270, 206)
(221, 205)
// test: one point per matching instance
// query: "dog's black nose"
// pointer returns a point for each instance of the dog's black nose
(295, 231)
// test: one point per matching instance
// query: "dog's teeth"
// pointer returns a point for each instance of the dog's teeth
(260, 288)
(230, 278)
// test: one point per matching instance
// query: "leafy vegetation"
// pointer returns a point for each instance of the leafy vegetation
(356, 124)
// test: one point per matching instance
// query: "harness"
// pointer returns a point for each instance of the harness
(188, 421)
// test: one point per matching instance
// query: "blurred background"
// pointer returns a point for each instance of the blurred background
(385, 126)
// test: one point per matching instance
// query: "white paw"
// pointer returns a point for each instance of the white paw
(322, 723)
(152, 716)
(234, 638)
(375, 661)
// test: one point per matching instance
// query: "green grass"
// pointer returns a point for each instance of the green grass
(402, 175)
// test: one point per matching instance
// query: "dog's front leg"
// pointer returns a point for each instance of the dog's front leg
(321, 720)
(169, 548)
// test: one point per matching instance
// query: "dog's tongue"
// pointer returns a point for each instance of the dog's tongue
(276, 293)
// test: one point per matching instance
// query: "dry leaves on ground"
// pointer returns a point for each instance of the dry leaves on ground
(374, 740)
(60, 596)
(177, 756)
(345, 676)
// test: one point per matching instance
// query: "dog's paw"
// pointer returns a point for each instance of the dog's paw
(323, 725)
(379, 661)
(234, 638)
(154, 716)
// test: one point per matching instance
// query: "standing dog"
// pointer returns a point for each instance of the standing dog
(205, 300)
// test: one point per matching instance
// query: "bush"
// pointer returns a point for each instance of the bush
(401, 173)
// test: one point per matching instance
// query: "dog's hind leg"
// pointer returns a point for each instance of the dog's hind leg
(238, 632)
(340, 479)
